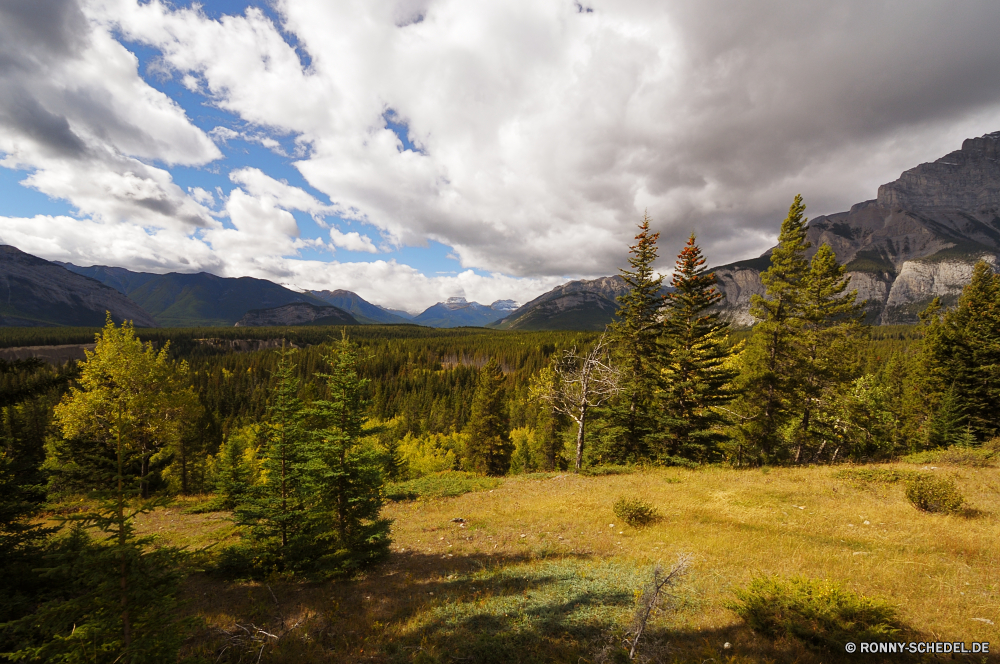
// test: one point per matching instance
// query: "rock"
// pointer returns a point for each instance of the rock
(919, 239)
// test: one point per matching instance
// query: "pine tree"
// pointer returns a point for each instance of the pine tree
(237, 466)
(345, 527)
(693, 381)
(825, 346)
(961, 354)
(628, 420)
(488, 449)
(274, 510)
(770, 373)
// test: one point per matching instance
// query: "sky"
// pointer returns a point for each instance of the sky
(415, 150)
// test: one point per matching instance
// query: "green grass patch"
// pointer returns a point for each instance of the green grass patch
(551, 611)
(445, 484)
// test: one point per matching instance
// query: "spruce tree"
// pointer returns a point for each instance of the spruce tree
(771, 370)
(628, 420)
(488, 449)
(826, 349)
(693, 381)
(961, 357)
(344, 472)
(273, 510)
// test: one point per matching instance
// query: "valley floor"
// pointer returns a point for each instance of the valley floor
(539, 570)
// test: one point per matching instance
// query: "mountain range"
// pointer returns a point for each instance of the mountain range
(918, 239)
(457, 312)
(41, 292)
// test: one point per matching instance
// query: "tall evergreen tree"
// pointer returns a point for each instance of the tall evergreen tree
(489, 449)
(826, 348)
(693, 350)
(274, 509)
(770, 362)
(960, 360)
(628, 420)
(345, 527)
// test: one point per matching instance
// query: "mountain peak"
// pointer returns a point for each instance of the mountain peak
(505, 305)
(966, 179)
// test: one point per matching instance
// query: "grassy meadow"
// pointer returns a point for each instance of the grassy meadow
(536, 568)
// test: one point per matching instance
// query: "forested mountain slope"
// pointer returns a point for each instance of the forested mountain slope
(192, 300)
(37, 292)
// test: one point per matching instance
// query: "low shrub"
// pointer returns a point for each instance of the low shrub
(444, 484)
(635, 511)
(822, 614)
(610, 469)
(873, 475)
(958, 455)
(932, 493)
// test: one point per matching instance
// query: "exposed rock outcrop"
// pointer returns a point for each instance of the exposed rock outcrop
(918, 240)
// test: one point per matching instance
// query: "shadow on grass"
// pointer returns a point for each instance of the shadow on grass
(489, 608)
(483, 609)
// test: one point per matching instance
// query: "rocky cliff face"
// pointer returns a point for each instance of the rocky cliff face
(37, 292)
(917, 240)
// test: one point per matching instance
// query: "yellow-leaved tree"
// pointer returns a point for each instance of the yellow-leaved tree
(118, 601)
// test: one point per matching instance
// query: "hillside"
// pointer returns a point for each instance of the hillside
(193, 300)
(37, 292)
(918, 239)
(296, 313)
(361, 309)
(577, 305)
(457, 312)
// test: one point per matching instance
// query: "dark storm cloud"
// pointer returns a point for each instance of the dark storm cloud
(41, 28)
(786, 97)
(25, 115)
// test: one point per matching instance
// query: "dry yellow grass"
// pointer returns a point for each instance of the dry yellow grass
(537, 566)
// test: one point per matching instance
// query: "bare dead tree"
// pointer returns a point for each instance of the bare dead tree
(653, 598)
(576, 383)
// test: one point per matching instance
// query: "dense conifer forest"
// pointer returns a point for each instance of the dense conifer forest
(299, 440)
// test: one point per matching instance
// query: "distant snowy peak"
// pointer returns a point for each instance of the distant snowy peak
(504, 306)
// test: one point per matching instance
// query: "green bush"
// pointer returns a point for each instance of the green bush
(822, 614)
(959, 455)
(635, 511)
(873, 475)
(610, 469)
(930, 493)
(445, 484)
